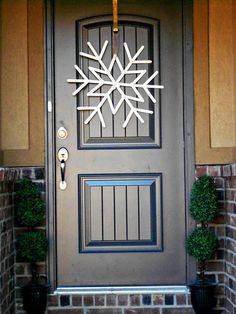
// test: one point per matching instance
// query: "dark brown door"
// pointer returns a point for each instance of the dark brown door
(121, 218)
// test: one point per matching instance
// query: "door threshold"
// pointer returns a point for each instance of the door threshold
(123, 290)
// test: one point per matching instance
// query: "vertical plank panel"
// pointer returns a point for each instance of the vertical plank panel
(119, 131)
(106, 111)
(120, 197)
(108, 213)
(130, 38)
(145, 212)
(82, 98)
(14, 76)
(94, 125)
(132, 201)
(142, 39)
(96, 213)
(221, 58)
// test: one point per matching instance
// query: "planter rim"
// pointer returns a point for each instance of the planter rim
(200, 285)
(36, 286)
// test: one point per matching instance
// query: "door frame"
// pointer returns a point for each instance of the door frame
(50, 153)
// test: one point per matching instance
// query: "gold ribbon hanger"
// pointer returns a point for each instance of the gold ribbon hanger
(115, 26)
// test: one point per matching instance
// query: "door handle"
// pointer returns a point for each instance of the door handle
(62, 156)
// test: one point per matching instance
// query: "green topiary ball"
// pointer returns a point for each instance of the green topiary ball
(203, 206)
(30, 208)
(32, 246)
(202, 244)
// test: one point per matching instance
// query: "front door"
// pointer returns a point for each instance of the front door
(120, 216)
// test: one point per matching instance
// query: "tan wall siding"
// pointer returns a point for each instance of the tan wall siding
(234, 67)
(22, 103)
(204, 121)
(14, 75)
(221, 68)
(23, 128)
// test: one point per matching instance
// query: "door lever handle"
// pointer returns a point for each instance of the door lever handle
(63, 171)
(62, 156)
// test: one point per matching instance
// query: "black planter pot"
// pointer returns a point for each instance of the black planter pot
(202, 297)
(35, 298)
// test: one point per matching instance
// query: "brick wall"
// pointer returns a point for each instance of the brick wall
(121, 304)
(222, 269)
(224, 266)
(7, 290)
(22, 270)
(230, 239)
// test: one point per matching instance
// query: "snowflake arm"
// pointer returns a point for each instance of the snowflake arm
(115, 84)
(133, 110)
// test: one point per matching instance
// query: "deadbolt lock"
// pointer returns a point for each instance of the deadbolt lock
(62, 133)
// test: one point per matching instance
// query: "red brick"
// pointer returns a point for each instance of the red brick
(233, 168)
(230, 207)
(178, 311)
(143, 311)
(220, 220)
(230, 182)
(41, 268)
(134, 299)
(88, 300)
(22, 281)
(227, 171)
(232, 221)
(122, 299)
(219, 290)
(77, 300)
(99, 300)
(111, 299)
(158, 299)
(189, 299)
(52, 300)
(219, 183)
(20, 269)
(201, 170)
(215, 266)
(104, 311)
(221, 302)
(214, 171)
(181, 299)
(220, 231)
(221, 278)
(229, 306)
(2, 174)
(65, 311)
(18, 293)
(230, 195)
(233, 297)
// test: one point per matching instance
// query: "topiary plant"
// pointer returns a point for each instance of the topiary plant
(202, 243)
(203, 207)
(30, 212)
(30, 208)
(32, 246)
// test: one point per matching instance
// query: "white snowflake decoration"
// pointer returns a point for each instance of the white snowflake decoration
(114, 84)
